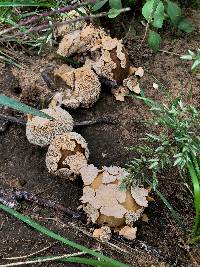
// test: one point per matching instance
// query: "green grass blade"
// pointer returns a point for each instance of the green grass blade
(24, 3)
(86, 261)
(44, 230)
(196, 186)
(169, 206)
(12, 103)
(62, 258)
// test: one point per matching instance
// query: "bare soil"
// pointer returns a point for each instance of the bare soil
(159, 242)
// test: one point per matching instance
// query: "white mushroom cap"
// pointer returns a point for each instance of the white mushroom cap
(66, 155)
(41, 131)
(80, 87)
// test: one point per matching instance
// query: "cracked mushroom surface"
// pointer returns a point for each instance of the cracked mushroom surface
(80, 41)
(110, 59)
(80, 87)
(41, 131)
(104, 203)
(106, 55)
(66, 155)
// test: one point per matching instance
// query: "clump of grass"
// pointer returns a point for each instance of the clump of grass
(177, 145)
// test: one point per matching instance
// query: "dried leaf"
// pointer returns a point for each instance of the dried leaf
(128, 232)
(136, 89)
(145, 218)
(120, 93)
(139, 72)
(103, 233)
(155, 86)
(132, 70)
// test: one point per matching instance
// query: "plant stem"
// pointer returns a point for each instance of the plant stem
(47, 14)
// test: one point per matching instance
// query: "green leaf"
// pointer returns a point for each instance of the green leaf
(154, 41)
(113, 13)
(115, 4)
(195, 64)
(41, 229)
(24, 3)
(99, 5)
(12, 103)
(174, 12)
(185, 25)
(147, 9)
(186, 57)
(158, 16)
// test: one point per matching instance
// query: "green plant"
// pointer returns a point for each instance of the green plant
(101, 261)
(156, 12)
(115, 6)
(12, 103)
(177, 145)
(194, 57)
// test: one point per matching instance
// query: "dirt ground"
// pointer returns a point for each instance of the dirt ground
(159, 242)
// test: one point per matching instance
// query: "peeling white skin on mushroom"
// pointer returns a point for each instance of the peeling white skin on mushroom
(88, 174)
(66, 155)
(128, 232)
(140, 194)
(41, 131)
(88, 194)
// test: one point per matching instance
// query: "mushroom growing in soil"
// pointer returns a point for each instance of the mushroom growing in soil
(106, 55)
(41, 131)
(104, 203)
(80, 87)
(66, 155)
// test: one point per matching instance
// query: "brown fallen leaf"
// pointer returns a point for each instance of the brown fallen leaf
(139, 72)
(145, 218)
(136, 89)
(120, 93)
(128, 232)
(103, 233)
(132, 70)
(155, 86)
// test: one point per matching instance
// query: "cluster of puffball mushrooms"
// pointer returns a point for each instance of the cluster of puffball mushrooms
(67, 155)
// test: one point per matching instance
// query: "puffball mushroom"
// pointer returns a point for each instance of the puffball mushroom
(66, 155)
(106, 55)
(110, 59)
(80, 87)
(80, 41)
(41, 131)
(104, 203)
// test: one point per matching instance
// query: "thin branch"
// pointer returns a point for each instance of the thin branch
(92, 122)
(168, 52)
(145, 34)
(29, 255)
(43, 260)
(34, 19)
(57, 24)
(12, 119)
(10, 198)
